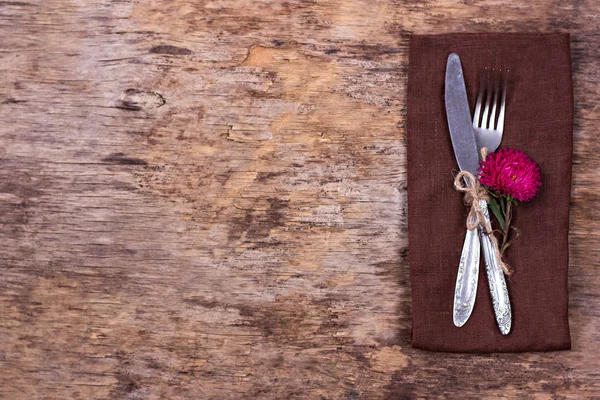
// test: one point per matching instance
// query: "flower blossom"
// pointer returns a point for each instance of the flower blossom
(510, 172)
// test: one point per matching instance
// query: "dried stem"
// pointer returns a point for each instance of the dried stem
(506, 204)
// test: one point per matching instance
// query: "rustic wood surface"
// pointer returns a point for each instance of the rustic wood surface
(207, 200)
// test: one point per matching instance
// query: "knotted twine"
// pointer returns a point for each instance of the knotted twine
(474, 192)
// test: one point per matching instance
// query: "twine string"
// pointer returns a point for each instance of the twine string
(474, 193)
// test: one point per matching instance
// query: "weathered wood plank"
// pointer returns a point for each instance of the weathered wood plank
(207, 199)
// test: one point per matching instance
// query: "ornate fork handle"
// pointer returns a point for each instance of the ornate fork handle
(495, 275)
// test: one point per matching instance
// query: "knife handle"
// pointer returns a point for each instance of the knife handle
(495, 275)
(467, 278)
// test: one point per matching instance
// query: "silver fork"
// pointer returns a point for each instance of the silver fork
(488, 133)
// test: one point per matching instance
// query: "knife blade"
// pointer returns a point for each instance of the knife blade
(460, 125)
(458, 114)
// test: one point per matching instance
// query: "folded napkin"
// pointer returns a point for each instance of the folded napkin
(539, 119)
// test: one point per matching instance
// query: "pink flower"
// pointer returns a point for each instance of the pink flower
(511, 173)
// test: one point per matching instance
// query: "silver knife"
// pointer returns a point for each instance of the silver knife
(465, 151)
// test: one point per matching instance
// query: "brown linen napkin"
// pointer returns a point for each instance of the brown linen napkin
(539, 117)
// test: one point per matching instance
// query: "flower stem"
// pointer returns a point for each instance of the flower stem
(507, 211)
(502, 208)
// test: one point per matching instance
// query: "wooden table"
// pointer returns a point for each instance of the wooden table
(207, 200)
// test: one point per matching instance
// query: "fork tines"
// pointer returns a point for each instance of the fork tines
(489, 87)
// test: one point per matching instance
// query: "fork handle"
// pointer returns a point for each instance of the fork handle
(467, 278)
(495, 275)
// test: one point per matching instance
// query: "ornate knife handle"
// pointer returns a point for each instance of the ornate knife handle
(467, 278)
(495, 276)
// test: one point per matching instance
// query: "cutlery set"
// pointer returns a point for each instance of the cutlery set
(469, 135)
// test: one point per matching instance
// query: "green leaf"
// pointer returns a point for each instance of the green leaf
(491, 192)
(495, 207)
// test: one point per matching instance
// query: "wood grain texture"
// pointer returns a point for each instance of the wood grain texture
(207, 200)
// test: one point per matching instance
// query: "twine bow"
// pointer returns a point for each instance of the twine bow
(474, 193)
(468, 184)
